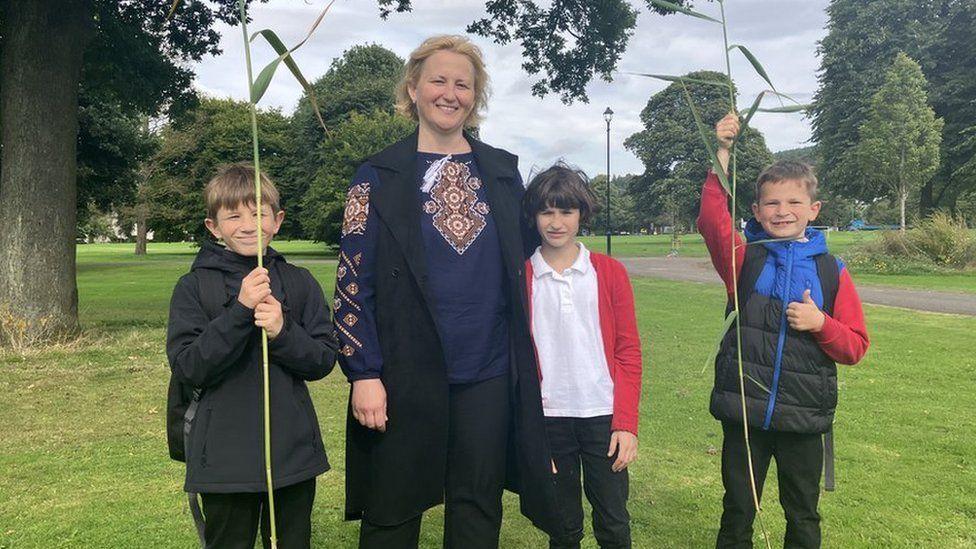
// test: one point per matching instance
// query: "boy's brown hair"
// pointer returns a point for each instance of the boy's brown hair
(560, 186)
(789, 170)
(234, 185)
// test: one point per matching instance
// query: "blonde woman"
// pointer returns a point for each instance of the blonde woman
(430, 314)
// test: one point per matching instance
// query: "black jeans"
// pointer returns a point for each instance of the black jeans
(476, 451)
(232, 519)
(585, 441)
(799, 462)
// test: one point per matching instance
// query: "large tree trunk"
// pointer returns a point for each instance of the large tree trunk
(141, 230)
(40, 68)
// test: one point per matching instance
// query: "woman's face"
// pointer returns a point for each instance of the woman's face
(444, 92)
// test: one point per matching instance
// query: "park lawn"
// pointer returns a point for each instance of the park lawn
(85, 462)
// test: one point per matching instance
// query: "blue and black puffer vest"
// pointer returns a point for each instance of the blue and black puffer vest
(790, 383)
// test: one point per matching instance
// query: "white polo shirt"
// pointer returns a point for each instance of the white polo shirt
(566, 328)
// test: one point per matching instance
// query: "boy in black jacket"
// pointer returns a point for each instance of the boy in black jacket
(218, 354)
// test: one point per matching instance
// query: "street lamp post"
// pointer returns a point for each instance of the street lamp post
(608, 116)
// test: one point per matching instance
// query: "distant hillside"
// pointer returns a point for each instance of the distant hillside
(809, 155)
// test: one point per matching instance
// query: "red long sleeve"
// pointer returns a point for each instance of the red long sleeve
(844, 336)
(715, 226)
(627, 359)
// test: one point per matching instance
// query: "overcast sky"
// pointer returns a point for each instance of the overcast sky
(783, 34)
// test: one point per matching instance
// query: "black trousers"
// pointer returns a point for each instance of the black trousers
(799, 463)
(476, 451)
(232, 519)
(581, 444)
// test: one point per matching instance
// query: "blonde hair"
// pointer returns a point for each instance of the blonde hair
(415, 64)
(234, 185)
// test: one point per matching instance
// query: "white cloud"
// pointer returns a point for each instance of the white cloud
(783, 34)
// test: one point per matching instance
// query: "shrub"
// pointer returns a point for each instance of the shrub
(937, 244)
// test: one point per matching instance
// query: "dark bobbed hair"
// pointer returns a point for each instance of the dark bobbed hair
(560, 186)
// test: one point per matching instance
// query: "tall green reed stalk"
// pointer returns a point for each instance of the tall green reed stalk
(256, 88)
(730, 183)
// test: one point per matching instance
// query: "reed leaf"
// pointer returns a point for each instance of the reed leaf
(172, 9)
(684, 79)
(718, 344)
(760, 385)
(789, 108)
(681, 9)
(703, 132)
(754, 62)
(261, 83)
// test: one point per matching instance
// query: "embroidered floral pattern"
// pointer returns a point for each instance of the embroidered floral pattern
(350, 319)
(457, 213)
(352, 288)
(357, 210)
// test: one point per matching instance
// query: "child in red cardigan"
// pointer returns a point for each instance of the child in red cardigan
(585, 334)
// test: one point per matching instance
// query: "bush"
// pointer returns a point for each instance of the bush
(940, 243)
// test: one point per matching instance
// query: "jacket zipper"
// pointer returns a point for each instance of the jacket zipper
(771, 405)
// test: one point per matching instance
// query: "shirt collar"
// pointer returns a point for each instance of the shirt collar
(540, 267)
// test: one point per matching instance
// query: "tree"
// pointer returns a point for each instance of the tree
(952, 92)
(192, 148)
(676, 161)
(938, 34)
(568, 41)
(898, 147)
(362, 80)
(352, 141)
(44, 48)
(622, 215)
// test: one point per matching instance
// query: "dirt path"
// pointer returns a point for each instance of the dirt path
(700, 270)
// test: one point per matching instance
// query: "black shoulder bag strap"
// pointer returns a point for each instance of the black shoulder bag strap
(213, 296)
(829, 274)
(752, 266)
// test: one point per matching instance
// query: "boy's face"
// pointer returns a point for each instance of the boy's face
(785, 208)
(238, 227)
(558, 226)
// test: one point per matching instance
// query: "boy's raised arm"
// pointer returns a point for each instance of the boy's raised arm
(306, 347)
(714, 220)
(200, 350)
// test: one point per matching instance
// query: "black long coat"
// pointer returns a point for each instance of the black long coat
(394, 476)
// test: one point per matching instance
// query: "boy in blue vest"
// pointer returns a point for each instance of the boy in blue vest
(214, 347)
(799, 315)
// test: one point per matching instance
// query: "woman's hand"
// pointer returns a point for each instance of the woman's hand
(624, 443)
(369, 403)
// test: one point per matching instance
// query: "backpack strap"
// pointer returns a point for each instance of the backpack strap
(829, 274)
(752, 266)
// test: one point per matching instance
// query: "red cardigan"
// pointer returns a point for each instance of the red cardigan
(621, 342)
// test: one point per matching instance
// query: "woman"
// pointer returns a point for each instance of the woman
(429, 309)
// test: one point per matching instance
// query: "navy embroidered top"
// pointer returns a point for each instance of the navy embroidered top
(465, 274)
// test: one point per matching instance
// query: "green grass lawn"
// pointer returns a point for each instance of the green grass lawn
(177, 254)
(85, 464)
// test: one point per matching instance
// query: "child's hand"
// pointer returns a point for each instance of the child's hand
(805, 316)
(254, 288)
(369, 403)
(268, 315)
(726, 130)
(624, 444)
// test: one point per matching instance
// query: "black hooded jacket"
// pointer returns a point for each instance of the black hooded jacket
(222, 356)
